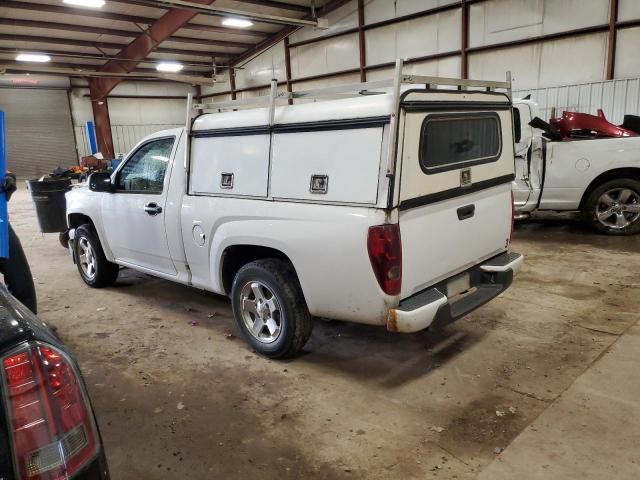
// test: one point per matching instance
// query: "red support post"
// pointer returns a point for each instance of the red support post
(611, 43)
(464, 40)
(287, 67)
(361, 42)
(102, 123)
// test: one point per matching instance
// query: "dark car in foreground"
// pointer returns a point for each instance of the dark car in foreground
(47, 427)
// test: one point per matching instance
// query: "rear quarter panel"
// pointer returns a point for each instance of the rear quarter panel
(572, 166)
(327, 245)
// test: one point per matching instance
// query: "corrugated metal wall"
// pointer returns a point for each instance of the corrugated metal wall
(560, 60)
(125, 137)
(615, 97)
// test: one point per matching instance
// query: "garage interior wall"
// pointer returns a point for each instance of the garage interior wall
(136, 109)
(544, 43)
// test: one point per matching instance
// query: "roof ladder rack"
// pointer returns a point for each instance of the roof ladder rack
(355, 90)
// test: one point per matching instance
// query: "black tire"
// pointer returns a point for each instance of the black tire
(593, 205)
(105, 272)
(17, 274)
(63, 238)
(295, 322)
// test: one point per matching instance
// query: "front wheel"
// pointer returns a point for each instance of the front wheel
(614, 207)
(270, 309)
(94, 268)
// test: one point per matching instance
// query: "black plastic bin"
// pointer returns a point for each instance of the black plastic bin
(48, 199)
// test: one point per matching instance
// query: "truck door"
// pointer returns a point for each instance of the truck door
(523, 135)
(455, 185)
(134, 214)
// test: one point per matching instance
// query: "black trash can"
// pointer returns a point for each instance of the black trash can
(48, 199)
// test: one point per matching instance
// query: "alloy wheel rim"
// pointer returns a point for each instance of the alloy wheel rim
(618, 208)
(261, 312)
(87, 258)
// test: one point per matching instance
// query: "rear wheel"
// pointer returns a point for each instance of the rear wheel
(269, 308)
(614, 207)
(94, 268)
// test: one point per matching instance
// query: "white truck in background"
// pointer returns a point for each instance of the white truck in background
(599, 177)
(387, 207)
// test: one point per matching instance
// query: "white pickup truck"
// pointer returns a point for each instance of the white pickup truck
(600, 177)
(391, 207)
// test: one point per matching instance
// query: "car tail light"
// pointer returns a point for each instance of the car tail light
(385, 252)
(513, 217)
(49, 418)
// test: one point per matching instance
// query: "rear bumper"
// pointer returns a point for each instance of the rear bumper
(432, 307)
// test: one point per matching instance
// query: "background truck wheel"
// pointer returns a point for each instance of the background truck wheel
(614, 207)
(269, 308)
(93, 266)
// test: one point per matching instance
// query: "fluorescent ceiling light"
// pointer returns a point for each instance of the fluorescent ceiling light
(85, 3)
(237, 22)
(33, 57)
(172, 67)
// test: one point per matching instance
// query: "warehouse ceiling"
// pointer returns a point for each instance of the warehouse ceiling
(80, 40)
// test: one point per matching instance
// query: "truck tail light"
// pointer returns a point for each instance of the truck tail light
(385, 252)
(49, 418)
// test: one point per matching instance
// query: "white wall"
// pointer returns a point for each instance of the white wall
(131, 118)
(549, 63)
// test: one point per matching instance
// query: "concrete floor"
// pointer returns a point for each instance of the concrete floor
(178, 395)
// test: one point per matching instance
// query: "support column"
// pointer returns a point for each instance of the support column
(287, 67)
(464, 41)
(611, 43)
(361, 42)
(232, 83)
(102, 122)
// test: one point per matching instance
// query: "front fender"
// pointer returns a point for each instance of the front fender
(82, 201)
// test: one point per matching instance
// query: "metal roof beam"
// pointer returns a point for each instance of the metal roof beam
(139, 49)
(230, 12)
(101, 15)
(107, 46)
(114, 32)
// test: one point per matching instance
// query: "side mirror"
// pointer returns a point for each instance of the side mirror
(100, 182)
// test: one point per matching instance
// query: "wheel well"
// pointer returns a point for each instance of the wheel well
(77, 219)
(235, 257)
(609, 175)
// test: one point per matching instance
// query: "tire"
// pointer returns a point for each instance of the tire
(619, 197)
(17, 274)
(63, 238)
(271, 294)
(101, 272)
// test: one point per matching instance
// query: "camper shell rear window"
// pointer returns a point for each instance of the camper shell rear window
(450, 141)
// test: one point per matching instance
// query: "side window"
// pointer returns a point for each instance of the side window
(145, 170)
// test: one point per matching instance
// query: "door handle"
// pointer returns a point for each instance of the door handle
(153, 208)
(466, 212)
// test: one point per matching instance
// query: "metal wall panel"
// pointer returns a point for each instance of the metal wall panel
(38, 129)
(340, 19)
(380, 10)
(414, 38)
(263, 68)
(615, 97)
(443, 67)
(331, 55)
(543, 64)
(628, 10)
(627, 55)
(497, 21)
